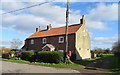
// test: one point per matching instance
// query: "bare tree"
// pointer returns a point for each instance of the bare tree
(15, 43)
(116, 48)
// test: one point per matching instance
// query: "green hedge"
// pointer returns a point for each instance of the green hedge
(50, 57)
(6, 55)
(117, 54)
(27, 55)
(12, 52)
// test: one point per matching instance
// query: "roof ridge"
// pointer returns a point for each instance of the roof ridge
(68, 25)
(55, 31)
(61, 27)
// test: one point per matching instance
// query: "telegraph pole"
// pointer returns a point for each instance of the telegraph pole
(66, 38)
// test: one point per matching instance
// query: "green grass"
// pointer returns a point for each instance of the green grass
(60, 65)
(85, 61)
(12, 60)
(114, 65)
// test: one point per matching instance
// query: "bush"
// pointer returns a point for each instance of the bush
(12, 52)
(50, 57)
(116, 49)
(117, 54)
(6, 56)
(27, 55)
(57, 48)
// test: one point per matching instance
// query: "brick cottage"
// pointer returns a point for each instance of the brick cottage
(51, 38)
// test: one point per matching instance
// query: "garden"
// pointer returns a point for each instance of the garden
(55, 59)
(35, 56)
(109, 60)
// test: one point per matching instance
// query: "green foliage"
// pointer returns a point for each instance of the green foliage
(60, 65)
(117, 54)
(107, 51)
(85, 61)
(6, 56)
(50, 57)
(16, 55)
(57, 48)
(26, 55)
(116, 49)
(12, 52)
(100, 51)
(114, 65)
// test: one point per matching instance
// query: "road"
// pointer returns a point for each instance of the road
(12, 67)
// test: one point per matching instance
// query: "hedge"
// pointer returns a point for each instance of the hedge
(50, 57)
(117, 54)
(27, 55)
(6, 55)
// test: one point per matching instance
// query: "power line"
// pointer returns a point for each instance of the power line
(28, 7)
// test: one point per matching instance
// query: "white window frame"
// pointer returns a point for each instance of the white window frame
(44, 40)
(31, 41)
(60, 39)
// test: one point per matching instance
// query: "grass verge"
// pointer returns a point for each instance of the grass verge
(114, 65)
(60, 65)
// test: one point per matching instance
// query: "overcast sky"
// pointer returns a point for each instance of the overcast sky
(101, 19)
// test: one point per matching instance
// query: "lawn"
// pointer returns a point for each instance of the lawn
(115, 63)
(86, 61)
(108, 62)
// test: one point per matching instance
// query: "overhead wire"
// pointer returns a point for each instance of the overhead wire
(28, 7)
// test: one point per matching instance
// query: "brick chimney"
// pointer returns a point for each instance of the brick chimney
(38, 29)
(49, 26)
(82, 21)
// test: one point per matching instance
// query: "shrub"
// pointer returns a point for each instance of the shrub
(50, 57)
(117, 54)
(116, 49)
(16, 55)
(57, 48)
(12, 52)
(27, 55)
(6, 56)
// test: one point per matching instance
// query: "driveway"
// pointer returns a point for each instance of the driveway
(12, 67)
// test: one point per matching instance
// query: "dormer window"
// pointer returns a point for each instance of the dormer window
(61, 39)
(44, 40)
(31, 41)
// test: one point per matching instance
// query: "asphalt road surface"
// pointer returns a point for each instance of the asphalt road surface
(12, 67)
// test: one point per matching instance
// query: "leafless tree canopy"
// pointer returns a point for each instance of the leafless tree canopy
(116, 47)
(15, 43)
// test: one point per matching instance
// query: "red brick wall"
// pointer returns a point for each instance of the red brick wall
(54, 40)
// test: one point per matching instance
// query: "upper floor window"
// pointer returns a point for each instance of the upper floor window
(61, 39)
(44, 40)
(32, 41)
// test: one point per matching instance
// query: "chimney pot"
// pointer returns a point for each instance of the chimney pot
(49, 26)
(82, 20)
(38, 29)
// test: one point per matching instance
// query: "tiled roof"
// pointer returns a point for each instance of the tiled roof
(55, 31)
